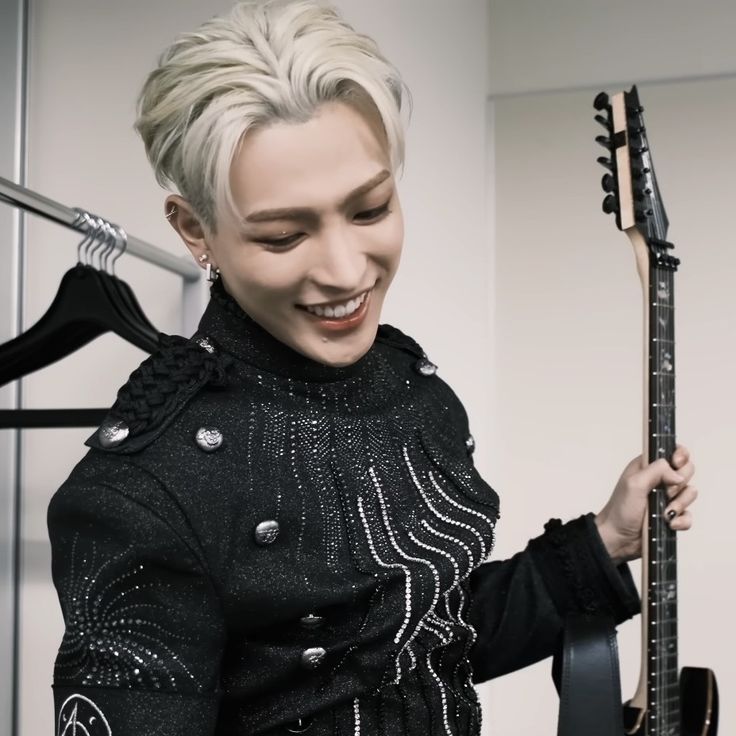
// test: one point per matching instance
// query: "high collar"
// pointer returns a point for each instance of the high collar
(239, 334)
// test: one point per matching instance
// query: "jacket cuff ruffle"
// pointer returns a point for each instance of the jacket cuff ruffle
(579, 573)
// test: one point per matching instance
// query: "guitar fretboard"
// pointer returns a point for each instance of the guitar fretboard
(663, 712)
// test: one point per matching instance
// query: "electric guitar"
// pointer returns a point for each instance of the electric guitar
(667, 702)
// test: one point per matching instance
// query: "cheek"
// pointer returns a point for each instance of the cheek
(270, 273)
(387, 238)
(394, 241)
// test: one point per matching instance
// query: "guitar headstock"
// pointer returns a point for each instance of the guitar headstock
(630, 183)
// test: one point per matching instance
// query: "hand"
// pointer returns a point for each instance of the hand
(621, 521)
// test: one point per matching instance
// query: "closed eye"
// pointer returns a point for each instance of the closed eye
(283, 242)
(368, 216)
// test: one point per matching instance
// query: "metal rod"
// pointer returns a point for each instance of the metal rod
(31, 202)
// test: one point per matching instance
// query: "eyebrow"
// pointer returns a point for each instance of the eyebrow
(302, 213)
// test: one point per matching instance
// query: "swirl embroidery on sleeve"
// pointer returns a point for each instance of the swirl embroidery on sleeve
(116, 630)
(79, 716)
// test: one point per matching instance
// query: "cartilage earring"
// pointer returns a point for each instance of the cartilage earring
(171, 213)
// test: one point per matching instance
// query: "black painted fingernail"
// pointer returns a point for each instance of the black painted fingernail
(671, 514)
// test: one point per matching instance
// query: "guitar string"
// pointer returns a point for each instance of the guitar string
(662, 548)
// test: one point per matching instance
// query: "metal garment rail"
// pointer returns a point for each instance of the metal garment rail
(18, 196)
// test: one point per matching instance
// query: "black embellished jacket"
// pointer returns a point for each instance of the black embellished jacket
(259, 544)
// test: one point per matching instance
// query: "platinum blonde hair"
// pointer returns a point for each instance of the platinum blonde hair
(266, 61)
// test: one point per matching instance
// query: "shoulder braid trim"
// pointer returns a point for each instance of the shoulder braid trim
(180, 366)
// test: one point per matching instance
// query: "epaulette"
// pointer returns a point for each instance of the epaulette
(158, 390)
(393, 336)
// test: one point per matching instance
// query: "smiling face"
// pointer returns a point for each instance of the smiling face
(321, 234)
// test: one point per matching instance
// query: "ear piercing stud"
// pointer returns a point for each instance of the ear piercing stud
(212, 274)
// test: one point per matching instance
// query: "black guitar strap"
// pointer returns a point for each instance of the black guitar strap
(586, 673)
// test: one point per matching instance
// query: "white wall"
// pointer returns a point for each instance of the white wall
(567, 388)
(89, 58)
(543, 46)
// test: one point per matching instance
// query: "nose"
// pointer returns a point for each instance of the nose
(339, 263)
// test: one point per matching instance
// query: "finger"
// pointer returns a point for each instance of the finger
(683, 499)
(687, 471)
(658, 473)
(680, 456)
(683, 522)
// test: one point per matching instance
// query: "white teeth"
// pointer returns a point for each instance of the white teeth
(342, 310)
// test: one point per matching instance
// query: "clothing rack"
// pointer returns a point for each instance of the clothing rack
(193, 295)
(30, 201)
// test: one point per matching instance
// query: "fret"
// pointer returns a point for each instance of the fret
(670, 699)
(669, 670)
(666, 606)
(671, 637)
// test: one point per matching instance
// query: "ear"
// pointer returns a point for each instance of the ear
(181, 217)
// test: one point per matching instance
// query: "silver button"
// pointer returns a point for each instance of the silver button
(470, 444)
(209, 439)
(425, 367)
(312, 657)
(311, 621)
(112, 433)
(267, 531)
(204, 343)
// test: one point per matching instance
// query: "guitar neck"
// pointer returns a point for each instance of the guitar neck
(663, 706)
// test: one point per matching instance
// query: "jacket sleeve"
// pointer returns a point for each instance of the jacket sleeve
(143, 623)
(519, 605)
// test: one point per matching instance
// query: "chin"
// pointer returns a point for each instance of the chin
(339, 358)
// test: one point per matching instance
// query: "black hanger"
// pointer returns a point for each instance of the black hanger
(120, 292)
(88, 303)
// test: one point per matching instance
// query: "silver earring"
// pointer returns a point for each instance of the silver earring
(212, 273)
(171, 213)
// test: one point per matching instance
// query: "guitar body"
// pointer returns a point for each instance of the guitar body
(698, 706)
(663, 704)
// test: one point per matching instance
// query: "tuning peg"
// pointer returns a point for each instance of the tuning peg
(603, 161)
(608, 183)
(602, 120)
(601, 101)
(638, 195)
(636, 173)
(603, 140)
(610, 204)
